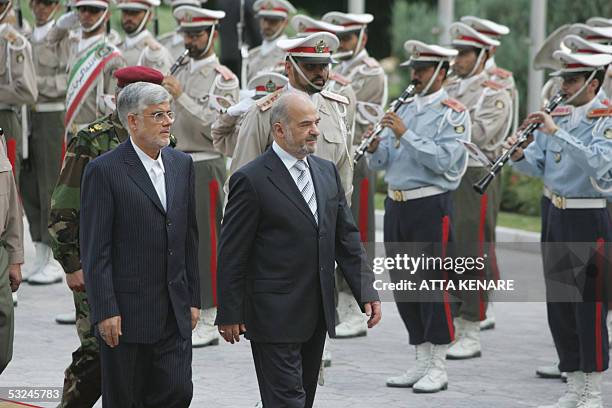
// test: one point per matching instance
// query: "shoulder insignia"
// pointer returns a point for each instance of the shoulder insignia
(493, 85)
(500, 73)
(453, 104)
(561, 111)
(371, 62)
(225, 72)
(599, 113)
(266, 102)
(342, 80)
(335, 97)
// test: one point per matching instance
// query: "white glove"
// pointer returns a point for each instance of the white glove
(68, 21)
(241, 107)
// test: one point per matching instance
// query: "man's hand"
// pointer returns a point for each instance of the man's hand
(231, 332)
(76, 281)
(547, 126)
(374, 311)
(519, 152)
(392, 121)
(14, 271)
(195, 316)
(173, 86)
(110, 330)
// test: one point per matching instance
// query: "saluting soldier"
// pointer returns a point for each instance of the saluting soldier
(572, 153)
(475, 215)
(46, 135)
(93, 59)
(82, 378)
(202, 89)
(17, 86)
(139, 46)
(227, 126)
(173, 40)
(273, 18)
(423, 163)
(369, 82)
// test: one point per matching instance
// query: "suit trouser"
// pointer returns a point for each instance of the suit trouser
(148, 375)
(426, 223)
(474, 220)
(7, 315)
(39, 176)
(287, 373)
(573, 265)
(10, 123)
(209, 179)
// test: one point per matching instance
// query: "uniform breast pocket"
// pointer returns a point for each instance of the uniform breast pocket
(48, 58)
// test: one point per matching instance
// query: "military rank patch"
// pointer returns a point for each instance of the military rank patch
(499, 104)
(459, 129)
(19, 58)
(608, 133)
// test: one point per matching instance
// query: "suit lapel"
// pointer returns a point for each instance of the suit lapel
(170, 178)
(282, 180)
(138, 174)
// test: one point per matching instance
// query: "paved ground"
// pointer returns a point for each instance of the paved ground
(224, 376)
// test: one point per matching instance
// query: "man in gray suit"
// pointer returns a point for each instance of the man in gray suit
(139, 245)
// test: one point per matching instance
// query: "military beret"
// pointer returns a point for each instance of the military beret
(137, 73)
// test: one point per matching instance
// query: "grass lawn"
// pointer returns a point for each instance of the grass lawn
(510, 220)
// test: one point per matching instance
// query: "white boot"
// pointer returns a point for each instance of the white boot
(353, 323)
(15, 300)
(50, 270)
(549, 371)
(575, 386)
(327, 355)
(33, 266)
(591, 393)
(410, 377)
(205, 333)
(609, 321)
(467, 343)
(489, 322)
(66, 318)
(435, 379)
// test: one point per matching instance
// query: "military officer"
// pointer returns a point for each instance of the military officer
(82, 379)
(369, 82)
(273, 18)
(201, 90)
(490, 108)
(139, 46)
(572, 153)
(601, 35)
(173, 40)
(91, 64)
(423, 163)
(17, 86)
(225, 129)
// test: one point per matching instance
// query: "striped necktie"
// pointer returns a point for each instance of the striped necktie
(306, 188)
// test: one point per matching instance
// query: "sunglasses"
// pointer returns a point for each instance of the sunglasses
(90, 9)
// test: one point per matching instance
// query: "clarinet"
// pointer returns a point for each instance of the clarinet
(179, 62)
(395, 105)
(522, 136)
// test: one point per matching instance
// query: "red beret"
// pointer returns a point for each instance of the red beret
(137, 73)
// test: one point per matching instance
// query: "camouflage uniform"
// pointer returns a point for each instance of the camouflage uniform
(82, 379)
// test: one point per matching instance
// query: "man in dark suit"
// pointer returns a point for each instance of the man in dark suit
(139, 253)
(285, 223)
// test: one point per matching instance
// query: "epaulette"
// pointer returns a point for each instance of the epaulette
(493, 85)
(225, 72)
(334, 97)
(453, 104)
(561, 111)
(267, 101)
(599, 113)
(98, 127)
(500, 73)
(371, 62)
(342, 80)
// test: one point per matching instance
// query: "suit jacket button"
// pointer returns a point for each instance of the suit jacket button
(170, 252)
(169, 223)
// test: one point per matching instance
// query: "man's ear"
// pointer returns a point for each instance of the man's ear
(132, 122)
(594, 84)
(364, 39)
(278, 130)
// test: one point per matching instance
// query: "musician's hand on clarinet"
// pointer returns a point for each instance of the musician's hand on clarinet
(372, 147)
(392, 121)
(173, 86)
(547, 124)
(519, 152)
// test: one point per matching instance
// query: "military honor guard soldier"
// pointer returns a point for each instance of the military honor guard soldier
(173, 40)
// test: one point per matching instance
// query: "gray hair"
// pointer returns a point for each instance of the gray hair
(280, 111)
(135, 98)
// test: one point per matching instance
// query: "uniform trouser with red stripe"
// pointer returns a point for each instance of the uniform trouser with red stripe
(11, 125)
(474, 220)
(209, 179)
(578, 327)
(425, 223)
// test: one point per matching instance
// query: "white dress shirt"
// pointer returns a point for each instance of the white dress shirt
(289, 161)
(155, 169)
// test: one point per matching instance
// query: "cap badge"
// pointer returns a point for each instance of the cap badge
(320, 47)
(270, 86)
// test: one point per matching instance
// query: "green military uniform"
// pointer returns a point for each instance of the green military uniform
(82, 379)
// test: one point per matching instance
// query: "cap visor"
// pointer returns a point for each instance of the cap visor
(316, 60)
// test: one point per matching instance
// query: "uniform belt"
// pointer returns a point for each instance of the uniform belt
(564, 203)
(203, 156)
(415, 193)
(49, 107)
(547, 192)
